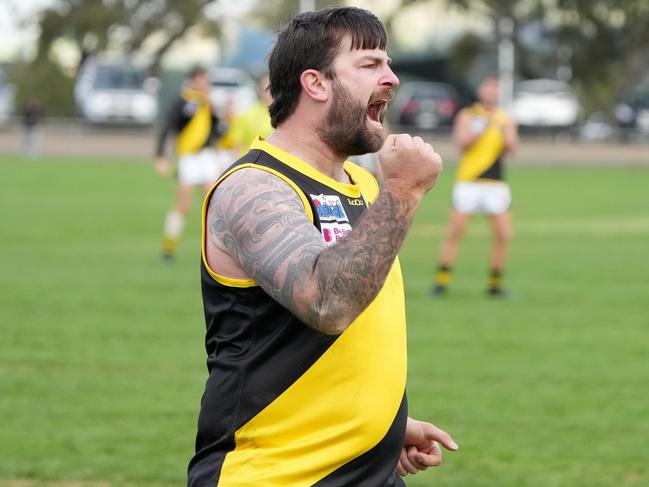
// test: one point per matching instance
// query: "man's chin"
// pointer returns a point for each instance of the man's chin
(367, 146)
(375, 137)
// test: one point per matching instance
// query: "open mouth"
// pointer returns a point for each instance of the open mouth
(376, 110)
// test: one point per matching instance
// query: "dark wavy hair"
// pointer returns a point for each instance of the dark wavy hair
(311, 41)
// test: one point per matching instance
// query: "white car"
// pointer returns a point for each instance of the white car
(6, 102)
(233, 90)
(545, 104)
(114, 92)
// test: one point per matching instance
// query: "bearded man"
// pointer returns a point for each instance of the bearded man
(302, 289)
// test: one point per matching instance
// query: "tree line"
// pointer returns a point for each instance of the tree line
(603, 42)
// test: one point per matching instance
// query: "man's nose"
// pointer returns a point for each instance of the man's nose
(389, 79)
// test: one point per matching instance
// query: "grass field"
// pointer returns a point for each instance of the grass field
(102, 362)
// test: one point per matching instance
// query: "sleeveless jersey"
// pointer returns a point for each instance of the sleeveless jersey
(285, 405)
(483, 160)
(194, 122)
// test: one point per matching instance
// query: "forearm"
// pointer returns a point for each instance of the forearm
(510, 135)
(351, 273)
(161, 143)
(464, 141)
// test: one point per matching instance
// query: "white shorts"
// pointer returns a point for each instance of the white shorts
(203, 167)
(492, 198)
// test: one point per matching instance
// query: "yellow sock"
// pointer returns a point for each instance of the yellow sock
(495, 279)
(443, 276)
(169, 245)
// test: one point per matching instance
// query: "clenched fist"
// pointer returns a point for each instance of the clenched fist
(410, 161)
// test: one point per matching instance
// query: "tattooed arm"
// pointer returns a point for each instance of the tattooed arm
(260, 221)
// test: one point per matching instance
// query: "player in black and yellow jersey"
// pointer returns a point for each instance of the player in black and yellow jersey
(302, 289)
(197, 128)
(484, 134)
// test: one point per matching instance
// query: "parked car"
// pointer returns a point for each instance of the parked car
(633, 110)
(114, 92)
(6, 101)
(425, 104)
(547, 104)
(233, 90)
(597, 127)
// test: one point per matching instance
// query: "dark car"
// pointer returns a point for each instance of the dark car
(632, 113)
(425, 104)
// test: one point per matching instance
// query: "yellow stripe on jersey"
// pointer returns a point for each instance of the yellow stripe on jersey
(486, 150)
(351, 190)
(194, 135)
(230, 281)
(365, 179)
(275, 448)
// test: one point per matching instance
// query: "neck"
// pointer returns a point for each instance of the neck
(490, 107)
(299, 138)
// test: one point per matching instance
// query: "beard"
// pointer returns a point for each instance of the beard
(345, 127)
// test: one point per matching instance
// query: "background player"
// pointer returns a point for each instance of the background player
(484, 134)
(245, 127)
(197, 128)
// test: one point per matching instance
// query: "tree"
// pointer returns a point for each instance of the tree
(94, 26)
(615, 31)
(277, 13)
(46, 82)
(128, 27)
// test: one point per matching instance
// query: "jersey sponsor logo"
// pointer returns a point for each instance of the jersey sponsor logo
(334, 232)
(329, 208)
(477, 125)
(334, 223)
(355, 202)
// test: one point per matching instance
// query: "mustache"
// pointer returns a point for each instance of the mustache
(386, 97)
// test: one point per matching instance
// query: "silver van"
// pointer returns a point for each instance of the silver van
(115, 92)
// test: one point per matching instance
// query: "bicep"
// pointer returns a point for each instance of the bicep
(261, 222)
(462, 131)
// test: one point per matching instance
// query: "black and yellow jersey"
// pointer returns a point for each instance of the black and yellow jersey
(284, 404)
(483, 160)
(194, 122)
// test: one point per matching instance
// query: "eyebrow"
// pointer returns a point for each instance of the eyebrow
(376, 59)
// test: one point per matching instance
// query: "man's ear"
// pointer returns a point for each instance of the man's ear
(315, 85)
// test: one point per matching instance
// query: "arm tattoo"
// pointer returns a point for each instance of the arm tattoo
(260, 221)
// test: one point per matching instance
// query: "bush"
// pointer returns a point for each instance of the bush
(43, 80)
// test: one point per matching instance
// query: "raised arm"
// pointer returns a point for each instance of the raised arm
(260, 222)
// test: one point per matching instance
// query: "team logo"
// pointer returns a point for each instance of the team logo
(329, 207)
(334, 223)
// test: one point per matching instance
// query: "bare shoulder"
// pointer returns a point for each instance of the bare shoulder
(260, 221)
(250, 199)
(464, 114)
(462, 117)
(252, 185)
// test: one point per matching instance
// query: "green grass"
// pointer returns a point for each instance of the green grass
(102, 362)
